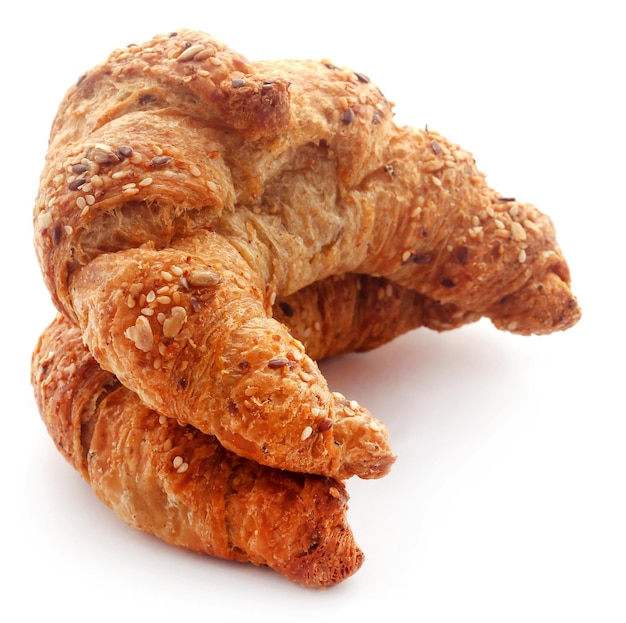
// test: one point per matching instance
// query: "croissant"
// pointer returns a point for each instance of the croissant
(171, 480)
(186, 190)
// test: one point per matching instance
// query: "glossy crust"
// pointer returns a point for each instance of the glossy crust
(171, 480)
(186, 190)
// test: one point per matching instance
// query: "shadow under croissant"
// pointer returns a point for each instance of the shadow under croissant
(181, 485)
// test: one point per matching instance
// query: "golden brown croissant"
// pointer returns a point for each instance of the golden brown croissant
(173, 481)
(187, 189)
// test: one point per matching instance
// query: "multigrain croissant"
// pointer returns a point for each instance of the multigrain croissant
(186, 190)
(171, 480)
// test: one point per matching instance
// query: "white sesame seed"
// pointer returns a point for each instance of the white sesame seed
(81, 202)
(306, 433)
(183, 468)
(195, 171)
(522, 256)
(146, 181)
(44, 220)
(406, 255)
(178, 461)
(517, 231)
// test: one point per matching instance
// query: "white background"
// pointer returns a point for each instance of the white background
(507, 502)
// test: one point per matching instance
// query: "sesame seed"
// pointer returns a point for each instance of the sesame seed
(305, 376)
(90, 199)
(406, 255)
(146, 181)
(150, 296)
(81, 202)
(517, 231)
(178, 461)
(118, 175)
(306, 433)
(183, 468)
(147, 311)
(374, 426)
(522, 256)
(44, 220)
(195, 171)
